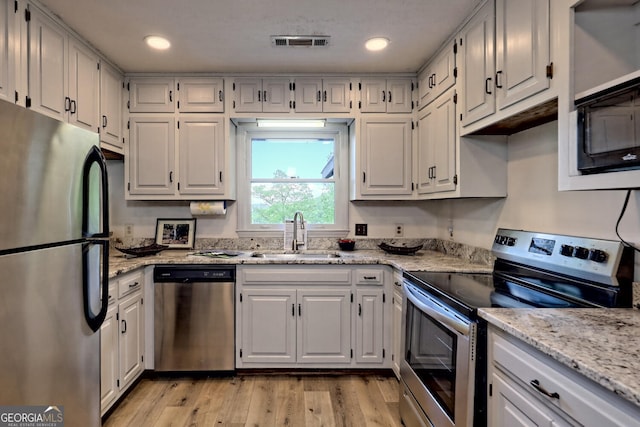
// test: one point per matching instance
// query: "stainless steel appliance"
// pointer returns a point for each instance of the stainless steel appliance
(53, 252)
(443, 369)
(194, 317)
(608, 129)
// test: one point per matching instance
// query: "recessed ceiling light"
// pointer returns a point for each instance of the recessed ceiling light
(157, 42)
(376, 43)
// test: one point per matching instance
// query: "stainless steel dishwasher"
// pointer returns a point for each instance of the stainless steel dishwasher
(194, 317)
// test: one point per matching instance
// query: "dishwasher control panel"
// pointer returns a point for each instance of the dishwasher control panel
(194, 273)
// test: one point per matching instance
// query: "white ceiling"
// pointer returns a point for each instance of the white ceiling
(233, 36)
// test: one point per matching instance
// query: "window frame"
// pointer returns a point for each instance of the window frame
(339, 132)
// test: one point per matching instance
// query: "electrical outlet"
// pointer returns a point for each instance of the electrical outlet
(128, 230)
(399, 230)
(361, 229)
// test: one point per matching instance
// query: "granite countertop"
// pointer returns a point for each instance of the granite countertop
(424, 260)
(599, 343)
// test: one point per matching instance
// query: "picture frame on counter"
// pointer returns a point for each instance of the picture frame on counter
(176, 233)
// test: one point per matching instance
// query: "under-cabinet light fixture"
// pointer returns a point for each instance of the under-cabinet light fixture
(290, 123)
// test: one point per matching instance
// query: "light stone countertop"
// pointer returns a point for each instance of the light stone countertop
(602, 344)
(424, 260)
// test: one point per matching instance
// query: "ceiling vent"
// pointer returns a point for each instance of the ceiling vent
(300, 41)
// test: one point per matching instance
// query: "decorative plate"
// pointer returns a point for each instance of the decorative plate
(399, 250)
(144, 250)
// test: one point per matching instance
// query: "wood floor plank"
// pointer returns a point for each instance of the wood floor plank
(263, 404)
(389, 388)
(290, 401)
(318, 410)
(209, 402)
(173, 416)
(371, 402)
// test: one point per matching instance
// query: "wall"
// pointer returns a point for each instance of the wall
(534, 202)
(380, 216)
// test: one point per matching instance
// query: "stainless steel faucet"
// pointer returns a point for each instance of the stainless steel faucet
(295, 245)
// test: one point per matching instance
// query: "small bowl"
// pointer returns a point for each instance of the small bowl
(346, 244)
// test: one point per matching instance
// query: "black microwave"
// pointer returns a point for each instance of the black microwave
(609, 129)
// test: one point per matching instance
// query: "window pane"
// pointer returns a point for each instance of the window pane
(292, 158)
(273, 203)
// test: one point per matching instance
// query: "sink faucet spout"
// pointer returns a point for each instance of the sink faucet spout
(295, 244)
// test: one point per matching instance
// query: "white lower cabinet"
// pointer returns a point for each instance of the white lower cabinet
(122, 338)
(311, 316)
(528, 388)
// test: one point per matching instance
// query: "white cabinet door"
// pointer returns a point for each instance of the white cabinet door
(522, 49)
(426, 150)
(152, 155)
(276, 94)
(201, 154)
(111, 85)
(152, 95)
(255, 95)
(308, 95)
(444, 142)
(200, 95)
(48, 66)
(268, 326)
(324, 327)
(478, 65)
(373, 96)
(439, 76)
(9, 42)
(336, 95)
(385, 159)
(248, 95)
(369, 326)
(109, 368)
(84, 86)
(131, 339)
(399, 96)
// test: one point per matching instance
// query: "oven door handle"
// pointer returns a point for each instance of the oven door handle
(430, 307)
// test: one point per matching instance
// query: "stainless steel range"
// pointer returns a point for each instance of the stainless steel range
(443, 370)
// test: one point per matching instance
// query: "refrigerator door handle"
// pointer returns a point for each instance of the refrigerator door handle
(90, 209)
(95, 282)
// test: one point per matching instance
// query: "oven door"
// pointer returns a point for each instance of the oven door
(437, 366)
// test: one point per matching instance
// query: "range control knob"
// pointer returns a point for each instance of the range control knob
(580, 252)
(597, 255)
(566, 250)
(511, 241)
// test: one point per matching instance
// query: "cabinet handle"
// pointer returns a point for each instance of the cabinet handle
(369, 277)
(397, 284)
(384, 94)
(359, 309)
(293, 310)
(364, 176)
(433, 81)
(220, 96)
(170, 176)
(264, 96)
(324, 96)
(133, 285)
(67, 103)
(389, 96)
(221, 177)
(170, 96)
(299, 309)
(536, 384)
(104, 121)
(498, 84)
(319, 96)
(434, 172)
(124, 324)
(486, 86)
(259, 96)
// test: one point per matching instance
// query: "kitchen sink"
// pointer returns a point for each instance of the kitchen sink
(323, 255)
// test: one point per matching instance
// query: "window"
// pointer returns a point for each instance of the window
(284, 171)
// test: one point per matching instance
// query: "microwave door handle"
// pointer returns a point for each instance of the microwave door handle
(426, 304)
(95, 277)
(95, 157)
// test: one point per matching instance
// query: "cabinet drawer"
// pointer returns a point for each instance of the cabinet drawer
(369, 276)
(129, 283)
(113, 289)
(292, 275)
(577, 397)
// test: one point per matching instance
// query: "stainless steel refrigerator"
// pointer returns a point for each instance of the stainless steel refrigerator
(53, 264)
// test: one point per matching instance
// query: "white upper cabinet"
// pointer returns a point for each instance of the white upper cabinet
(200, 95)
(438, 76)
(315, 95)
(63, 74)
(477, 65)
(384, 154)
(152, 95)
(111, 87)
(386, 95)
(522, 49)
(9, 45)
(269, 95)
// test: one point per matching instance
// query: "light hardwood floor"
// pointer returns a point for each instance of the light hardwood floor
(261, 400)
